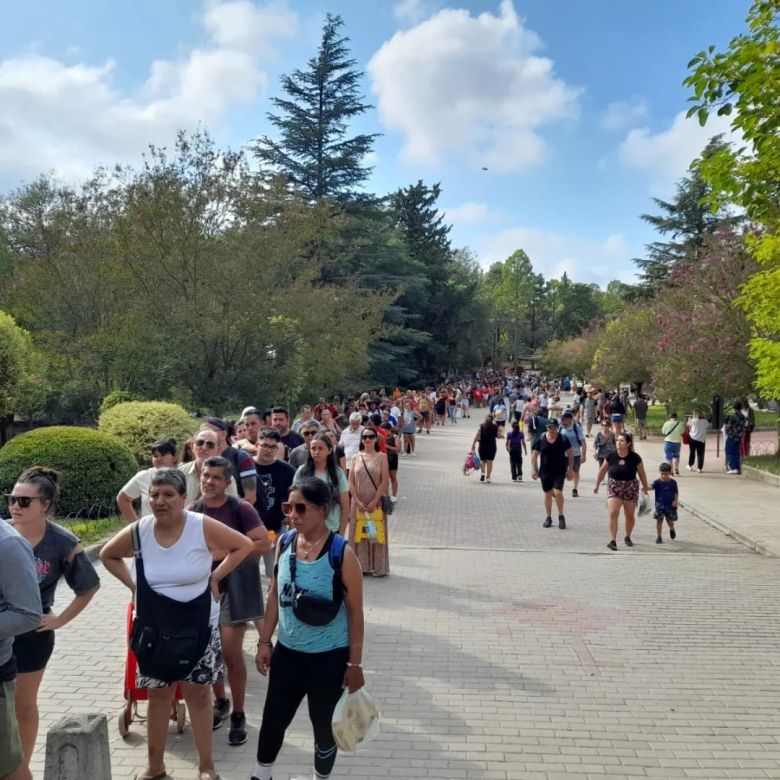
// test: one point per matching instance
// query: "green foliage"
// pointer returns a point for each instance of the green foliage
(571, 357)
(22, 389)
(624, 352)
(313, 152)
(93, 465)
(116, 397)
(138, 424)
(743, 82)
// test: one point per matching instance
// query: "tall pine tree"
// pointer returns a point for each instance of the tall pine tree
(313, 151)
(687, 220)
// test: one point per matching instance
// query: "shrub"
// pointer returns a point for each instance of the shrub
(116, 397)
(92, 464)
(139, 424)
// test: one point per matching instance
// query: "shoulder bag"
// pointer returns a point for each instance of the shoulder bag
(169, 637)
(387, 505)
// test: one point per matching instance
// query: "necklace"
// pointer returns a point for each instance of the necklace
(311, 546)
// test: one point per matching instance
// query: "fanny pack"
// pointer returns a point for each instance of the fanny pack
(169, 637)
(307, 607)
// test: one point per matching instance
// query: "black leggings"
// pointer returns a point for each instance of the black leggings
(293, 675)
(516, 462)
(696, 451)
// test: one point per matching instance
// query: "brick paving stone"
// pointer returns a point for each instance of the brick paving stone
(500, 649)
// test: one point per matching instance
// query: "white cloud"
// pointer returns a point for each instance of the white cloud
(552, 254)
(666, 156)
(413, 11)
(623, 115)
(72, 117)
(469, 86)
(471, 213)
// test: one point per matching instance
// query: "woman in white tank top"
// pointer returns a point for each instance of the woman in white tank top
(177, 549)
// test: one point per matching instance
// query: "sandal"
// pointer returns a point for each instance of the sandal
(163, 776)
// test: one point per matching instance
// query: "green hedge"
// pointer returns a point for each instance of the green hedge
(93, 466)
(139, 424)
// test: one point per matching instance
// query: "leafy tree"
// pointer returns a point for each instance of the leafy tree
(313, 151)
(686, 220)
(625, 350)
(512, 296)
(700, 337)
(571, 356)
(744, 82)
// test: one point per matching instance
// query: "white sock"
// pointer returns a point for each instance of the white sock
(264, 771)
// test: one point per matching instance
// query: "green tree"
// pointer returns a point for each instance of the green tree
(743, 82)
(512, 298)
(625, 349)
(687, 220)
(313, 151)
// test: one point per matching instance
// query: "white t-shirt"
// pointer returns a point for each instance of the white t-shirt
(350, 441)
(138, 487)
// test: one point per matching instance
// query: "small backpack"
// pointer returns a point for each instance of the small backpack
(335, 559)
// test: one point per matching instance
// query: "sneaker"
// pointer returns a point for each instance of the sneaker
(520, 479)
(481, 477)
(547, 522)
(677, 472)
(488, 480)
(689, 468)
(732, 471)
(672, 533)
(561, 521)
(699, 470)
(659, 540)
(574, 493)
(238, 733)
(221, 711)
(612, 545)
(628, 542)
(393, 499)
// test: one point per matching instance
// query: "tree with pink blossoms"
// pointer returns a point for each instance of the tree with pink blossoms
(701, 337)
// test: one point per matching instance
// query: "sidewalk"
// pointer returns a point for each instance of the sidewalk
(747, 510)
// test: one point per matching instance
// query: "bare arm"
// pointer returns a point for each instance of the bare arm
(126, 508)
(352, 575)
(600, 477)
(344, 512)
(640, 469)
(262, 541)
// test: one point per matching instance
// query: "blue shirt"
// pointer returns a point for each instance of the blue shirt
(665, 492)
(574, 435)
(316, 577)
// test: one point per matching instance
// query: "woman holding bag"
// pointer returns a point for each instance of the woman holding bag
(176, 588)
(316, 655)
(368, 478)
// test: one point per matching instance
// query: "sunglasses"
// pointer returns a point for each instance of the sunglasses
(298, 506)
(23, 501)
(308, 433)
(209, 445)
(368, 437)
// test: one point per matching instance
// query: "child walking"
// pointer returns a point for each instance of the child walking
(666, 495)
(516, 446)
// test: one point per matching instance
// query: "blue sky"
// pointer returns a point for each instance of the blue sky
(575, 106)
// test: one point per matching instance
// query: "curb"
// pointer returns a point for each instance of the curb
(737, 536)
(753, 473)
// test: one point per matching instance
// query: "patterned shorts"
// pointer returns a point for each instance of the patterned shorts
(625, 490)
(206, 672)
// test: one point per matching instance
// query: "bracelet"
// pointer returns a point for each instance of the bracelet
(260, 643)
(354, 666)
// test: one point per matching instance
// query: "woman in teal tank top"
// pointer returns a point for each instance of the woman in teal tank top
(316, 661)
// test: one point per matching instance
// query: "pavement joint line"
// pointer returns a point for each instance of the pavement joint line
(527, 551)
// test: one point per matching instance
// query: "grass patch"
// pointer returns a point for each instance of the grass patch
(91, 531)
(770, 463)
(656, 417)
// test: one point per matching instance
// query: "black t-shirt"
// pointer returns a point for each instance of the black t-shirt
(623, 468)
(242, 465)
(617, 407)
(291, 440)
(274, 483)
(487, 435)
(553, 455)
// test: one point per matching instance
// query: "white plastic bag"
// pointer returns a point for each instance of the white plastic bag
(644, 504)
(355, 720)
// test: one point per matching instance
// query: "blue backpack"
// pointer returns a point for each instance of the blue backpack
(335, 559)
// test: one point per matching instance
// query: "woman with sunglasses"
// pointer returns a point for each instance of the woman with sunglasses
(164, 455)
(321, 463)
(204, 445)
(313, 661)
(368, 478)
(58, 553)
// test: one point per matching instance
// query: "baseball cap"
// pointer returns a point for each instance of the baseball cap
(567, 415)
(552, 423)
(217, 422)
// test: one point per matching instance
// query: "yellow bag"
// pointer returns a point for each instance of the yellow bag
(369, 527)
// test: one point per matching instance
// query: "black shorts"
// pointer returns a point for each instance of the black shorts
(552, 481)
(33, 651)
(576, 464)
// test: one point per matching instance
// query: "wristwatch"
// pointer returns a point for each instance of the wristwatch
(351, 665)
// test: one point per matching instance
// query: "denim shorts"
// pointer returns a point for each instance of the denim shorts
(671, 450)
(616, 418)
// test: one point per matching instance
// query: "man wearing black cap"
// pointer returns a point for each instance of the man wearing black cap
(241, 462)
(552, 461)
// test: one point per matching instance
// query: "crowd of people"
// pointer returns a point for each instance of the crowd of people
(305, 498)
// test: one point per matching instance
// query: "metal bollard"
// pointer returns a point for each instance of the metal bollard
(77, 748)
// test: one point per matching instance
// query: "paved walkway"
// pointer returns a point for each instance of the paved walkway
(499, 650)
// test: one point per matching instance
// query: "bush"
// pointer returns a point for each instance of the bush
(116, 397)
(139, 424)
(93, 466)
